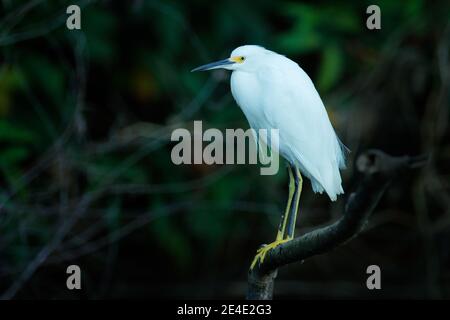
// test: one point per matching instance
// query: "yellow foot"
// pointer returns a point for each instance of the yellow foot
(261, 253)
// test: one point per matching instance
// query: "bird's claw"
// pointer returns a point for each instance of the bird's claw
(262, 251)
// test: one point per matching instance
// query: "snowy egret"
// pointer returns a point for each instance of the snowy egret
(275, 93)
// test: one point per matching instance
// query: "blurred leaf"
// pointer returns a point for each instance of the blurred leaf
(330, 68)
(46, 75)
(100, 26)
(13, 133)
(12, 155)
(302, 37)
(315, 26)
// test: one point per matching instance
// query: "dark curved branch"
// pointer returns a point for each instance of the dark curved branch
(377, 170)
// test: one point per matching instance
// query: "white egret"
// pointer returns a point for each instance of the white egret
(275, 93)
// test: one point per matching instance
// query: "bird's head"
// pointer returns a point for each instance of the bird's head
(242, 58)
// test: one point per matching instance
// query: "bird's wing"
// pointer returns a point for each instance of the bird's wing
(307, 137)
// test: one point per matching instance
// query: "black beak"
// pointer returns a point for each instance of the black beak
(213, 65)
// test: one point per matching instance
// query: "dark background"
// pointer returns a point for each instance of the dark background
(85, 171)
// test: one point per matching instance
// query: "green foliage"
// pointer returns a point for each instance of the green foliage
(100, 27)
(319, 29)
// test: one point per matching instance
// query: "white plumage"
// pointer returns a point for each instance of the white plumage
(275, 93)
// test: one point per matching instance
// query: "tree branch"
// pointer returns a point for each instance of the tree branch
(377, 170)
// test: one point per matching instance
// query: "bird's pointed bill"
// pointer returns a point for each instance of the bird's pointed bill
(214, 65)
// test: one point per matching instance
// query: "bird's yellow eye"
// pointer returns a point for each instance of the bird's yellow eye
(238, 59)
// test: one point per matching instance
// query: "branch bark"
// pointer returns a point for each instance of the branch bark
(377, 170)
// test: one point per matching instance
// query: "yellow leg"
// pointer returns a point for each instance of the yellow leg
(294, 209)
(261, 253)
(284, 217)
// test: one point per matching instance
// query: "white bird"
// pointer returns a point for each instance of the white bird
(275, 93)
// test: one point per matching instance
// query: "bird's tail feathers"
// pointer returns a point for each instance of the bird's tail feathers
(331, 181)
(342, 154)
